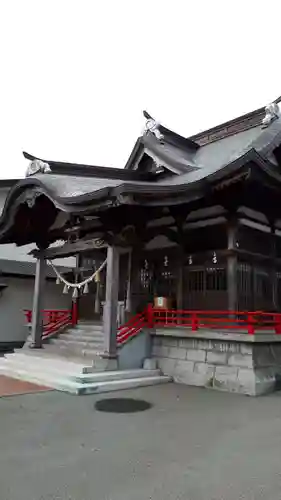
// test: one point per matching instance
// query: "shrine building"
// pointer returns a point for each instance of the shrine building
(183, 243)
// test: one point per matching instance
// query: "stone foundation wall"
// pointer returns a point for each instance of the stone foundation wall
(251, 368)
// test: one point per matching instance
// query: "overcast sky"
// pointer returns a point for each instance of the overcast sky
(76, 75)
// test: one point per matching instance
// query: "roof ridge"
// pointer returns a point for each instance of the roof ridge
(85, 170)
(230, 127)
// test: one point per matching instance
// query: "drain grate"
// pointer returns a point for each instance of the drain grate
(122, 405)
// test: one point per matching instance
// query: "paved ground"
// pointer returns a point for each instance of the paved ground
(10, 386)
(194, 444)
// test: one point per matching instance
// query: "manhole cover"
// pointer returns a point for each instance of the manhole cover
(122, 405)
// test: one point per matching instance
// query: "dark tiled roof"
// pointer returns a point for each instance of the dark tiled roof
(192, 167)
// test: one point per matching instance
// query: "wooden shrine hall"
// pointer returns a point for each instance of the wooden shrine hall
(188, 224)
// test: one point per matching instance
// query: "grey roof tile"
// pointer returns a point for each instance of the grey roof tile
(191, 163)
(70, 187)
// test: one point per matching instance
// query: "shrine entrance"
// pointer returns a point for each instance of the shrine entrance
(91, 304)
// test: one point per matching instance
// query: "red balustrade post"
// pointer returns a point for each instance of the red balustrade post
(277, 324)
(251, 321)
(74, 312)
(28, 315)
(194, 322)
(150, 316)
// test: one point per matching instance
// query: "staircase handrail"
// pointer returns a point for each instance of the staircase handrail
(130, 329)
(53, 320)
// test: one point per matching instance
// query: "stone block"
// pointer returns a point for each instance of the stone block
(149, 364)
(167, 365)
(160, 351)
(203, 344)
(183, 365)
(164, 351)
(201, 378)
(266, 381)
(186, 343)
(224, 346)
(183, 370)
(225, 379)
(246, 348)
(177, 353)
(217, 358)
(264, 356)
(169, 341)
(198, 379)
(241, 360)
(156, 340)
(246, 380)
(204, 368)
(156, 350)
(196, 355)
(276, 348)
(229, 371)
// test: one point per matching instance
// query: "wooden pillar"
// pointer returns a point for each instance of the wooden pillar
(75, 301)
(111, 302)
(180, 279)
(129, 284)
(37, 309)
(97, 297)
(232, 267)
(275, 305)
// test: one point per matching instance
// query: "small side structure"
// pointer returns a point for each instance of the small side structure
(17, 271)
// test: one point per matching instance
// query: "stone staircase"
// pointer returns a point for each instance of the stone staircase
(83, 341)
(72, 362)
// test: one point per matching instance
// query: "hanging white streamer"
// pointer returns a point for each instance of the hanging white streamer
(76, 285)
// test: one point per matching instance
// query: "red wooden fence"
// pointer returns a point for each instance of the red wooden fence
(243, 322)
(226, 321)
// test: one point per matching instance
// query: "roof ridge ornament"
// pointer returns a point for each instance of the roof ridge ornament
(37, 166)
(152, 126)
(271, 113)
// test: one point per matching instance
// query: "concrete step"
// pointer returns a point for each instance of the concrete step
(82, 338)
(65, 342)
(90, 326)
(60, 358)
(87, 331)
(64, 349)
(45, 360)
(62, 369)
(120, 381)
(89, 356)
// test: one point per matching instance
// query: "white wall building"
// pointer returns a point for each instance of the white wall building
(17, 270)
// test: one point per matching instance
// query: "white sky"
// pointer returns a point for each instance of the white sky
(76, 75)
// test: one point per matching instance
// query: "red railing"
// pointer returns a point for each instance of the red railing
(131, 328)
(236, 321)
(53, 320)
(244, 322)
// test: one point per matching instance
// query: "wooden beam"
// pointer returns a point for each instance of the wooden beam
(70, 249)
(255, 256)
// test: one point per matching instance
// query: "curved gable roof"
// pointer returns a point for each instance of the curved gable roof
(82, 188)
